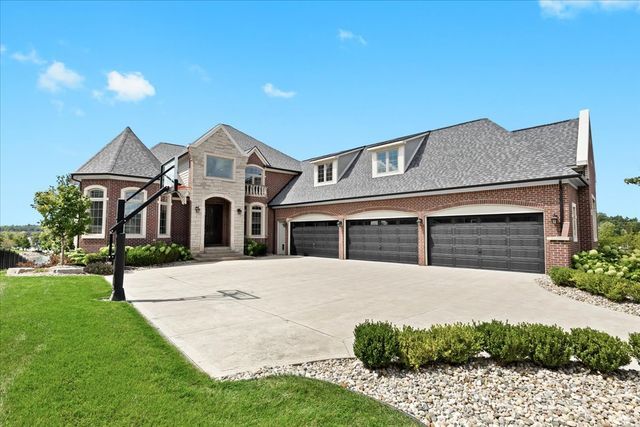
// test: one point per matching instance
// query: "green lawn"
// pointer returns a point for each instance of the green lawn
(69, 358)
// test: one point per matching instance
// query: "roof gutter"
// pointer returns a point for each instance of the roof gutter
(409, 193)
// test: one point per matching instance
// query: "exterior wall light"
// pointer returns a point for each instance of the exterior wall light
(239, 210)
(197, 209)
(340, 223)
(555, 219)
(419, 221)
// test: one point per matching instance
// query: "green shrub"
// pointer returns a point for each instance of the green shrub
(504, 342)
(100, 268)
(253, 248)
(375, 344)
(599, 350)
(561, 276)
(77, 256)
(157, 253)
(93, 258)
(416, 347)
(456, 343)
(634, 342)
(612, 287)
(549, 346)
(610, 261)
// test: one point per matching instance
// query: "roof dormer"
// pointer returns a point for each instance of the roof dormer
(325, 171)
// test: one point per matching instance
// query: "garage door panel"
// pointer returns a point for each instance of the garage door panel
(503, 242)
(317, 238)
(390, 240)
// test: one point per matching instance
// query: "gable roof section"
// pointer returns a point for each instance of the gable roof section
(470, 154)
(125, 155)
(276, 159)
(165, 151)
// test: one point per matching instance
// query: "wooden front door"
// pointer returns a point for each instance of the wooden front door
(214, 224)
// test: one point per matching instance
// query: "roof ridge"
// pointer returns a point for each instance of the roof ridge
(255, 139)
(543, 125)
(123, 140)
(168, 143)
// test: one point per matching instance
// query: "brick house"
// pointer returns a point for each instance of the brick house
(469, 195)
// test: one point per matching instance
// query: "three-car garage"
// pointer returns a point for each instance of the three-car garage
(511, 242)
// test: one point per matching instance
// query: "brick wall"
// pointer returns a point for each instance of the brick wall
(544, 198)
(114, 187)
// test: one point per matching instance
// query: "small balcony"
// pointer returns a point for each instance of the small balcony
(255, 190)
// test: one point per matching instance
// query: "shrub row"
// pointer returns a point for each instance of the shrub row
(136, 256)
(609, 261)
(379, 344)
(609, 286)
(253, 248)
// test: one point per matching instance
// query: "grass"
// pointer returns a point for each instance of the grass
(69, 358)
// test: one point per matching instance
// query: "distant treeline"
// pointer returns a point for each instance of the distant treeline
(29, 228)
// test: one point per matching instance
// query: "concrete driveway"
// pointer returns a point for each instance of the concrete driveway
(236, 316)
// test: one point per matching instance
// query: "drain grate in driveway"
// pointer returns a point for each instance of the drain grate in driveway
(237, 294)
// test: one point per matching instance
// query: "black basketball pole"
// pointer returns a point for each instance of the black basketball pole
(118, 264)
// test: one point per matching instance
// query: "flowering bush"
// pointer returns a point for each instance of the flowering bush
(609, 261)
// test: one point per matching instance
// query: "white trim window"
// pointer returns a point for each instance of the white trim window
(594, 219)
(387, 162)
(164, 216)
(574, 221)
(97, 210)
(254, 175)
(136, 226)
(219, 167)
(325, 173)
(256, 220)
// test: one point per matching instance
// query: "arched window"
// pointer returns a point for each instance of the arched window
(256, 220)
(97, 210)
(164, 216)
(254, 175)
(136, 226)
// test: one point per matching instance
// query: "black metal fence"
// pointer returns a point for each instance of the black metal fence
(9, 259)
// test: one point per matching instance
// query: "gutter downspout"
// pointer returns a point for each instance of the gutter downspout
(561, 202)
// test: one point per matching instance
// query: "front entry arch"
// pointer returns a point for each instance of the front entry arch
(217, 222)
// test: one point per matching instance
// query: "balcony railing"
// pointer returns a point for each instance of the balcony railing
(255, 190)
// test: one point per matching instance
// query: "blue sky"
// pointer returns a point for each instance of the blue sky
(309, 78)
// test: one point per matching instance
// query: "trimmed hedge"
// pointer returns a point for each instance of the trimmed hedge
(99, 268)
(375, 343)
(379, 344)
(599, 350)
(634, 342)
(612, 287)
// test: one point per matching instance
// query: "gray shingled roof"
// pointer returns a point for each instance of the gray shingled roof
(469, 154)
(276, 159)
(165, 151)
(125, 155)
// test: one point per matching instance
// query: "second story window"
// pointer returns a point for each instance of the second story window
(219, 167)
(253, 176)
(325, 173)
(387, 162)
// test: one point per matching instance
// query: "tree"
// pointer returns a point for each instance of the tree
(633, 180)
(64, 210)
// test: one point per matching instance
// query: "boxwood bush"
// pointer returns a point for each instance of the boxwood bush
(504, 342)
(613, 287)
(634, 342)
(456, 343)
(599, 350)
(375, 343)
(549, 346)
(416, 347)
(562, 276)
(253, 248)
(100, 268)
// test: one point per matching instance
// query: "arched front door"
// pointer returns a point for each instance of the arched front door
(217, 222)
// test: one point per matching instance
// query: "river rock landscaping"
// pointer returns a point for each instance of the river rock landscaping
(484, 393)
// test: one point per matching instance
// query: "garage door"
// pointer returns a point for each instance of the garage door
(499, 242)
(315, 238)
(391, 240)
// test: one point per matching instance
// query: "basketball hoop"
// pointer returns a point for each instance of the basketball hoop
(183, 192)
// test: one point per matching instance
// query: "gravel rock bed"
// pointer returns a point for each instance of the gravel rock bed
(483, 393)
(580, 295)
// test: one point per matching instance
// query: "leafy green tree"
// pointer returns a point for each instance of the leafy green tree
(64, 210)
(21, 240)
(633, 180)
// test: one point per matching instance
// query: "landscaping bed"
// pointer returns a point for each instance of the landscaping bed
(485, 393)
(69, 358)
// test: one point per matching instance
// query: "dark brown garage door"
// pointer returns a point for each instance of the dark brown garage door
(498, 242)
(390, 240)
(315, 238)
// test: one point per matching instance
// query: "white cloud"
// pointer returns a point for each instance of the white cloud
(200, 72)
(128, 87)
(3, 49)
(58, 76)
(346, 35)
(564, 9)
(32, 57)
(274, 92)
